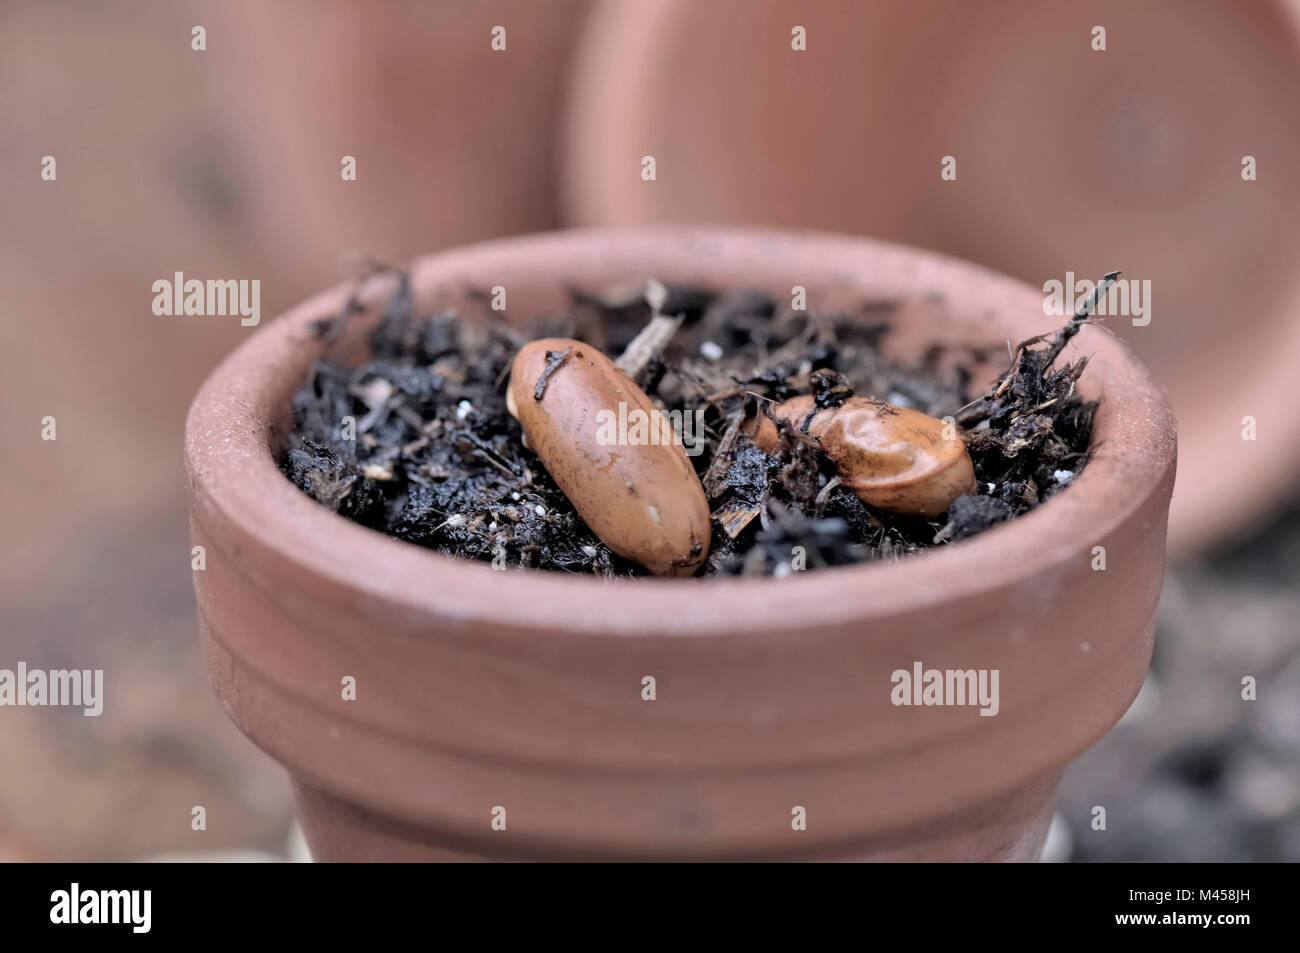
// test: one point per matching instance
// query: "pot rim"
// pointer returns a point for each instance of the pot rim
(233, 476)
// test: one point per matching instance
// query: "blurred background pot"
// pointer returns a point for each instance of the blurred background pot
(478, 691)
(1067, 159)
(455, 141)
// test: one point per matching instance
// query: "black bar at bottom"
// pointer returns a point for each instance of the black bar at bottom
(332, 902)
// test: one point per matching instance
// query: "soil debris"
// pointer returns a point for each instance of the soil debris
(418, 443)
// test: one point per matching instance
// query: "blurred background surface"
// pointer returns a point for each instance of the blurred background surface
(226, 162)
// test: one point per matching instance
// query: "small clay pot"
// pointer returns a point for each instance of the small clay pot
(1067, 158)
(478, 690)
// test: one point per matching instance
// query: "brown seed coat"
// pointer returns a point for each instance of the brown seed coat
(893, 458)
(645, 502)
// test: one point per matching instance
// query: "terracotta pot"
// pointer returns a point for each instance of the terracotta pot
(478, 689)
(1068, 159)
(454, 141)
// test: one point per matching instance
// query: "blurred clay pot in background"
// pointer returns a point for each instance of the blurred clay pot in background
(454, 141)
(478, 690)
(1067, 160)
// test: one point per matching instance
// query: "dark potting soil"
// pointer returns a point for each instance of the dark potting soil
(438, 461)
